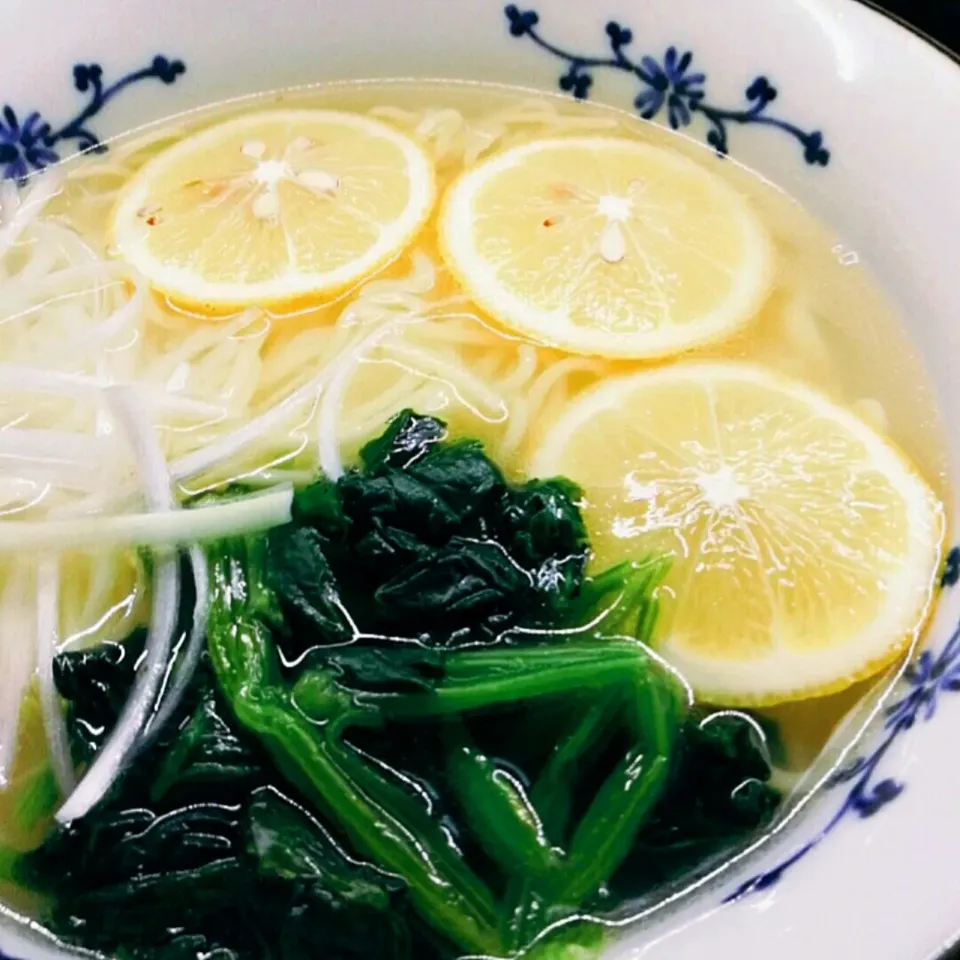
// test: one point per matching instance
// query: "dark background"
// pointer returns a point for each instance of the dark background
(939, 18)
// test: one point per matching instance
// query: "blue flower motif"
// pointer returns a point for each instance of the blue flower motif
(23, 147)
(86, 76)
(761, 92)
(620, 36)
(31, 145)
(669, 84)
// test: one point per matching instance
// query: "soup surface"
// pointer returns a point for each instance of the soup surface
(435, 520)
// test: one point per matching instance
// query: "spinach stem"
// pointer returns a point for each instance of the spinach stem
(247, 669)
(517, 676)
(503, 819)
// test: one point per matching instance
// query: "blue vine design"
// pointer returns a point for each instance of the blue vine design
(32, 144)
(927, 679)
(668, 83)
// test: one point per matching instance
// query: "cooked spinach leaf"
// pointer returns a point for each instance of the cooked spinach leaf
(719, 794)
(364, 668)
(305, 585)
(430, 534)
(95, 684)
(200, 849)
(408, 438)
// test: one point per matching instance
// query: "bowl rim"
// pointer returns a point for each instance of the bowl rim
(950, 950)
(947, 950)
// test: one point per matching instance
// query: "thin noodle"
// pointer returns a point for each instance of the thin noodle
(555, 374)
(19, 211)
(526, 367)
(460, 379)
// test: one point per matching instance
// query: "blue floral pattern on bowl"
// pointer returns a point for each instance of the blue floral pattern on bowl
(930, 676)
(31, 144)
(670, 83)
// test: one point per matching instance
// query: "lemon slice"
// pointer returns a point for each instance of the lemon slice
(272, 207)
(805, 547)
(606, 246)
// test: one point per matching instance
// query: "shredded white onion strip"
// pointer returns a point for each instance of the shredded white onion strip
(48, 631)
(22, 299)
(127, 315)
(16, 376)
(113, 756)
(248, 514)
(53, 446)
(192, 651)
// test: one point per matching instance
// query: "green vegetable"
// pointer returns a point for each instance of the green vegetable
(305, 583)
(718, 793)
(248, 672)
(430, 534)
(496, 804)
(8, 862)
(421, 731)
(407, 439)
(99, 680)
(288, 845)
(197, 840)
(206, 753)
(29, 798)
(626, 798)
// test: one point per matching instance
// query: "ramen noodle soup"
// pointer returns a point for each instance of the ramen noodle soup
(436, 521)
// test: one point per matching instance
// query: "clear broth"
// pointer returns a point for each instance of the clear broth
(827, 323)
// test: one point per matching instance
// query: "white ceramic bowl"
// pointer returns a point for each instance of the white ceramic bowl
(842, 107)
